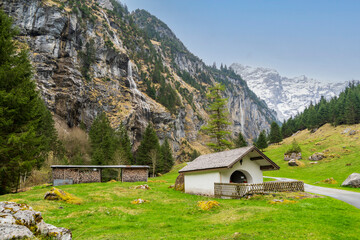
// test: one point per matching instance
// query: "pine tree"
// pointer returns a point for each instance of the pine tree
(240, 141)
(217, 127)
(167, 157)
(123, 153)
(275, 133)
(261, 142)
(27, 130)
(103, 142)
(149, 144)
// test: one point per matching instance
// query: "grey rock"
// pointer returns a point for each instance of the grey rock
(346, 131)
(317, 157)
(28, 217)
(51, 231)
(11, 231)
(288, 157)
(7, 218)
(293, 163)
(353, 180)
(352, 132)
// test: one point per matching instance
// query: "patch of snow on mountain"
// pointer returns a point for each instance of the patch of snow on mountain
(287, 96)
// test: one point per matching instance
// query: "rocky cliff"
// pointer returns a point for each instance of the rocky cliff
(91, 56)
(287, 96)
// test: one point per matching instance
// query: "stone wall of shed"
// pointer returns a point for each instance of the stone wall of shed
(134, 174)
(77, 175)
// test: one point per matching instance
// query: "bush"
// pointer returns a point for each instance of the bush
(295, 148)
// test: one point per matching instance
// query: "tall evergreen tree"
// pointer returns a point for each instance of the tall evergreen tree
(103, 142)
(275, 133)
(27, 130)
(124, 152)
(261, 142)
(149, 146)
(240, 141)
(167, 157)
(217, 127)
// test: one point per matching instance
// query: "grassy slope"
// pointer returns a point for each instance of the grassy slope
(107, 214)
(344, 148)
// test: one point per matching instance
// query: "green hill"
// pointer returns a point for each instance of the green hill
(341, 149)
(106, 212)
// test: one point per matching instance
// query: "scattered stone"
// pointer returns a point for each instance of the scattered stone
(352, 181)
(316, 157)
(329, 181)
(58, 194)
(288, 157)
(112, 181)
(348, 164)
(145, 186)
(282, 201)
(139, 201)
(20, 221)
(179, 183)
(352, 132)
(313, 130)
(346, 131)
(171, 186)
(313, 162)
(293, 163)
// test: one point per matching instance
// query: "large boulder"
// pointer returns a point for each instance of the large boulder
(20, 221)
(13, 231)
(180, 183)
(289, 156)
(60, 195)
(316, 157)
(353, 180)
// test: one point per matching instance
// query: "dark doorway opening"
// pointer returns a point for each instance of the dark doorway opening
(238, 177)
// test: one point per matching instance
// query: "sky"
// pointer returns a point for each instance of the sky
(319, 39)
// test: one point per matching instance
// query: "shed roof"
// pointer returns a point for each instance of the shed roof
(99, 166)
(227, 159)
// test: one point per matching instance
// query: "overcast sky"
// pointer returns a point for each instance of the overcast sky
(319, 39)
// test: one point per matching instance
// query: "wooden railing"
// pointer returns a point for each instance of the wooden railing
(238, 190)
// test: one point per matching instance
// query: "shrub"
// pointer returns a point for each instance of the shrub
(295, 148)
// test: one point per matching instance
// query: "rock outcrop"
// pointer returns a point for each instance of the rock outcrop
(20, 221)
(317, 157)
(294, 155)
(352, 181)
(89, 58)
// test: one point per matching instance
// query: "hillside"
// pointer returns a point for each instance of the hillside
(341, 148)
(106, 213)
(93, 56)
(286, 95)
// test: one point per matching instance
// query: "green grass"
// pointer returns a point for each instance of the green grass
(106, 213)
(341, 148)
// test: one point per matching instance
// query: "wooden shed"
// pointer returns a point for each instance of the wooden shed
(74, 174)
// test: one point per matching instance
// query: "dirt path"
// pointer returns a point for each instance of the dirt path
(349, 197)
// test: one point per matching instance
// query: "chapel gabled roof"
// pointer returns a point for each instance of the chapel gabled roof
(227, 159)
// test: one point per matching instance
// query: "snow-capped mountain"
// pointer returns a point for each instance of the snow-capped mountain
(287, 96)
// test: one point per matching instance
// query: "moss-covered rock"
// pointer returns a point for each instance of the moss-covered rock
(60, 195)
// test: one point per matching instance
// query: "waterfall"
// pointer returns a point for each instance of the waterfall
(116, 40)
(130, 77)
(138, 96)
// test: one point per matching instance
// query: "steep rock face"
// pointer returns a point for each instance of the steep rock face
(90, 58)
(287, 96)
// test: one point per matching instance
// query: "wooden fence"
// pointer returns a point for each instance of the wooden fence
(238, 190)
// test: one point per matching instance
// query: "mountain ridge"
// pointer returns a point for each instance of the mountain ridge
(287, 96)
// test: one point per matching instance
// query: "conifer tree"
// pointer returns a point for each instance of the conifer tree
(240, 141)
(167, 157)
(217, 127)
(103, 142)
(27, 131)
(261, 142)
(124, 153)
(275, 133)
(149, 143)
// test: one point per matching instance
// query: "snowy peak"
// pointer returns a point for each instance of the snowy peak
(287, 96)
